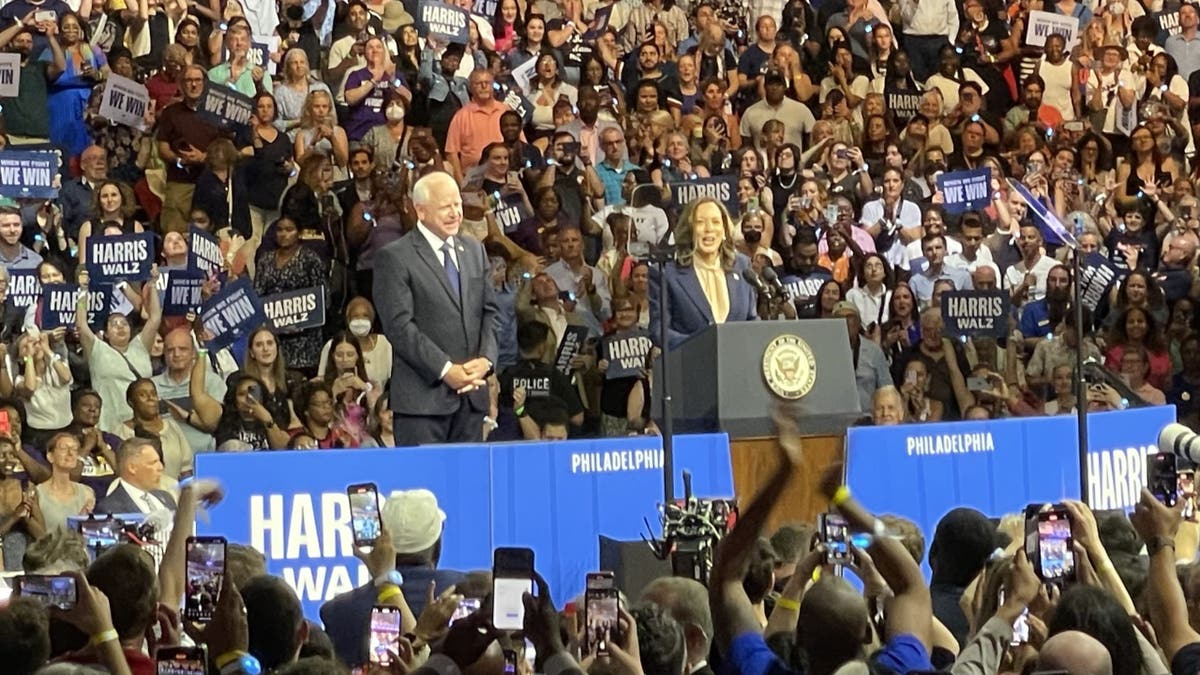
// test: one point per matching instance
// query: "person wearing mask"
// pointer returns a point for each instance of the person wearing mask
(61, 497)
(174, 387)
(414, 525)
(139, 476)
(704, 284)
(388, 142)
(376, 350)
(183, 140)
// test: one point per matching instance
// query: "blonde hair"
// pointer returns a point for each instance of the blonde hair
(307, 121)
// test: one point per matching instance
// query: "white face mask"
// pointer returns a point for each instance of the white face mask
(394, 113)
(360, 327)
(1116, 8)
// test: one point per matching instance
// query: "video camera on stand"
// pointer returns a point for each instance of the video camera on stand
(691, 529)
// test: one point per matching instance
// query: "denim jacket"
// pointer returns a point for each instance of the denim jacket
(439, 87)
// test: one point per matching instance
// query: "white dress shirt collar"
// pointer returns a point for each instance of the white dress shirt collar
(437, 242)
(139, 495)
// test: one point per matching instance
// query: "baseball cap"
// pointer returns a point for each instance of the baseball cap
(773, 74)
(413, 520)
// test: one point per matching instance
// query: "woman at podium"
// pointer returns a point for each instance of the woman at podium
(704, 283)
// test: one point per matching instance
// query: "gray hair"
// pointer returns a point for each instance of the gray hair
(423, 189)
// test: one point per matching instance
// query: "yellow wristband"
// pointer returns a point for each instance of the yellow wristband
(390, 591)
(840, 496)
(788, 604)
(103, 636)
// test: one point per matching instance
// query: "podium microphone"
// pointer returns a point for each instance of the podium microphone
(763, 289)
(772, 279)
(1180, 440)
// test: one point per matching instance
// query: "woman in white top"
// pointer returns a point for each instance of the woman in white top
(545, 89)
(293, 90)
(376, 350)
(120, 358)
(60, 497)
(43, 381)
(870, 295)
(148, 421)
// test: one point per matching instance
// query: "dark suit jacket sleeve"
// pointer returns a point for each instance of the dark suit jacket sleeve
(674, 337)
(394, 300)
(488, 346)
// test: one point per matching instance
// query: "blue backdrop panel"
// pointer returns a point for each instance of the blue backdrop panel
(998, 466)
(556, 498)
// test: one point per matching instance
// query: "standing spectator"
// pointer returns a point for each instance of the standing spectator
(291, 267)
(82, 67)
(1026, 280)
(76, 193)
(797, 120)
(174, 386)
(112, 203)
(120, 358)
(44, 383)
(440, 327)
(870, 365)
(319, 132)
(219, 191)
(1183, 46)
(266, 173)
(476, 125)
(367, 89)
(183, 139)
(237, 72)
(295, 85)
(25, 119)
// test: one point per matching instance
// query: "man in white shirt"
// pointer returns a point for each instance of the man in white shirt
(139, 473)
(971, 252)
(1026, 280)
(928, 26)
(571, 273)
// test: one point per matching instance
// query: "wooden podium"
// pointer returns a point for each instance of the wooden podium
(719, 383)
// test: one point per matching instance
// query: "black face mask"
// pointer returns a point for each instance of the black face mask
(752, 236)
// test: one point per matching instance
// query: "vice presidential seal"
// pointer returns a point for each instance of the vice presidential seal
(789, 367)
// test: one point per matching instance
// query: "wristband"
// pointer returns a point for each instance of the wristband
(388, 593)
(228, 658)
(103, 636)
(519, 412)
(788, 604)
(840, 496)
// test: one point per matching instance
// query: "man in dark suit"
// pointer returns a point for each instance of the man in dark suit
(407, 559)
(438, 309)
(136, 490)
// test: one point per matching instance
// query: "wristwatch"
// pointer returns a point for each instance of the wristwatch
(392, 578)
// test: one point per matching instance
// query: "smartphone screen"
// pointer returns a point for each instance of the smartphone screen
(1161, 477)
(205, 574)
(181, 661)
(512, 578)
(510, 662)
(51, 591)
(1056, 560)
(1186, 485)
(601, 612)
(466, 607)
(364, 513)
(835, 534)
(385, 634)
(5, 424)
(100, 535)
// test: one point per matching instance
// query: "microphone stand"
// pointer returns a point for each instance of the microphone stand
(660, 257)
(1080, 387)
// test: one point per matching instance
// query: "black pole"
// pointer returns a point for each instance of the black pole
(664, 384)
(1080, 387)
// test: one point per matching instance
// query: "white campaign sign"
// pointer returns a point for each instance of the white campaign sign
(124, 102)
(10, 75)
(1044, 24)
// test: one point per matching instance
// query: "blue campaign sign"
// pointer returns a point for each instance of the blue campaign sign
(204, 251)
(30, 174)
(122, 257)
(60, 300)
(964, 191)
(556, 498)
(24, 287)
(446, 21)
(1097, 275)
(1052, 228)
(181, 294)
(231, 314)
(976, 313)
(999, 466)
(294, 311)
(720, 188)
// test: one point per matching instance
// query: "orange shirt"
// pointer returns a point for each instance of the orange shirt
(472, 128)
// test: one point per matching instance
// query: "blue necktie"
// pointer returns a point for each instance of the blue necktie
(451, 268)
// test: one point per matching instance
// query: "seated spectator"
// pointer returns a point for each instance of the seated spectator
(148, 421)
(1135, 367)
(61, 497)
(97, 448)
(138, 488)
(241, 421)
(375, 348)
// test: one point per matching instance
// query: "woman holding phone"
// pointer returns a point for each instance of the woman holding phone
(267, 365)
(43, 382)
(240, 422)
(83, 67)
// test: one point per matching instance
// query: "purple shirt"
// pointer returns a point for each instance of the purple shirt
(369, 111)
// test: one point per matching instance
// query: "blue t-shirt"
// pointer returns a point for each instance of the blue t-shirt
(750, 655)
(1035, 320)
